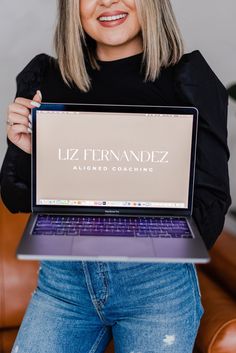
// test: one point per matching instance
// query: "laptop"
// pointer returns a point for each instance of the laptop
(113, 183)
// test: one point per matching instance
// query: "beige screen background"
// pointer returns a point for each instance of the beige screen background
(62, 136)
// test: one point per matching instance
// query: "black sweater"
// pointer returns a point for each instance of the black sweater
(189, 83)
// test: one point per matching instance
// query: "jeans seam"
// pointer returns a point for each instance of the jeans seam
(96, 303)
(198, 287)
(104, 277)
(196, 280)
(190, 271)
(98, 340)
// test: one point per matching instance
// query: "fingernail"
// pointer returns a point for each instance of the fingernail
(30, 118)
(35, 104)
(39, 93)
(29, 130)
(30, 125)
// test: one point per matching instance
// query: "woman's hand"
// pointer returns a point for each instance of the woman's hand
(19, 121)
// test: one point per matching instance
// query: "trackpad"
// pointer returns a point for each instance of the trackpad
(113, 246)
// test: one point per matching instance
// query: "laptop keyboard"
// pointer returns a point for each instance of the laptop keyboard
(160, 227)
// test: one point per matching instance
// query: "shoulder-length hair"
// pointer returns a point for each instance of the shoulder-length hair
(162, 41)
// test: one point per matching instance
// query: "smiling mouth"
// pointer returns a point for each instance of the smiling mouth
(112, 18)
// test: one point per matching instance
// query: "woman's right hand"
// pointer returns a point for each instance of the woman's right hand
(19, 121)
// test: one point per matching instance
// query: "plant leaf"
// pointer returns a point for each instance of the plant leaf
(232, 91)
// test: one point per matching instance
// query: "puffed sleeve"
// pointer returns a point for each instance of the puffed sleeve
(197, 85)
(15, 175)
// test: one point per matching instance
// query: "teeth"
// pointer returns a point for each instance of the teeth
(112, 18)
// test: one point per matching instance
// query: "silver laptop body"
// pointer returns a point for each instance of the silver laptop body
(128, 168)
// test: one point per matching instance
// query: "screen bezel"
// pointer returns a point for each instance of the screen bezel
(116, 109)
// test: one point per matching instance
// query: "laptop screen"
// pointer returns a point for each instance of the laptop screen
(110, 159)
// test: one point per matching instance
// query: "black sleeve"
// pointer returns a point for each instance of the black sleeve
(15, 175)
(198, 86)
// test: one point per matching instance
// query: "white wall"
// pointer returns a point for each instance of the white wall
(210, 25)
(26, 28)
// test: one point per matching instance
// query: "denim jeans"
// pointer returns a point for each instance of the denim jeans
(78, 306)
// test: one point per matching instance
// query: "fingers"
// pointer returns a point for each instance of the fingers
(19, 121)
(18, 107)
(18, 134)
(19, 128)
(19, 111)
(16, 118)
(28, 103)
(38, 97)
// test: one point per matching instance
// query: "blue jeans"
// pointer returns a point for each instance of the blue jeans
(78, 306)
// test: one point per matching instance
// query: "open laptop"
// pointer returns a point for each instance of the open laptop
(113, 183)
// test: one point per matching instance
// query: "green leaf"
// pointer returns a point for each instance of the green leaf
(232, 91)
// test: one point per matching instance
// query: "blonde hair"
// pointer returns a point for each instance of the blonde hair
(162, 41)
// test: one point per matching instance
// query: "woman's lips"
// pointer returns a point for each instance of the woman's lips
(112, 20)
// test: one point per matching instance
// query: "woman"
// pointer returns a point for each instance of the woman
(119, 52)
